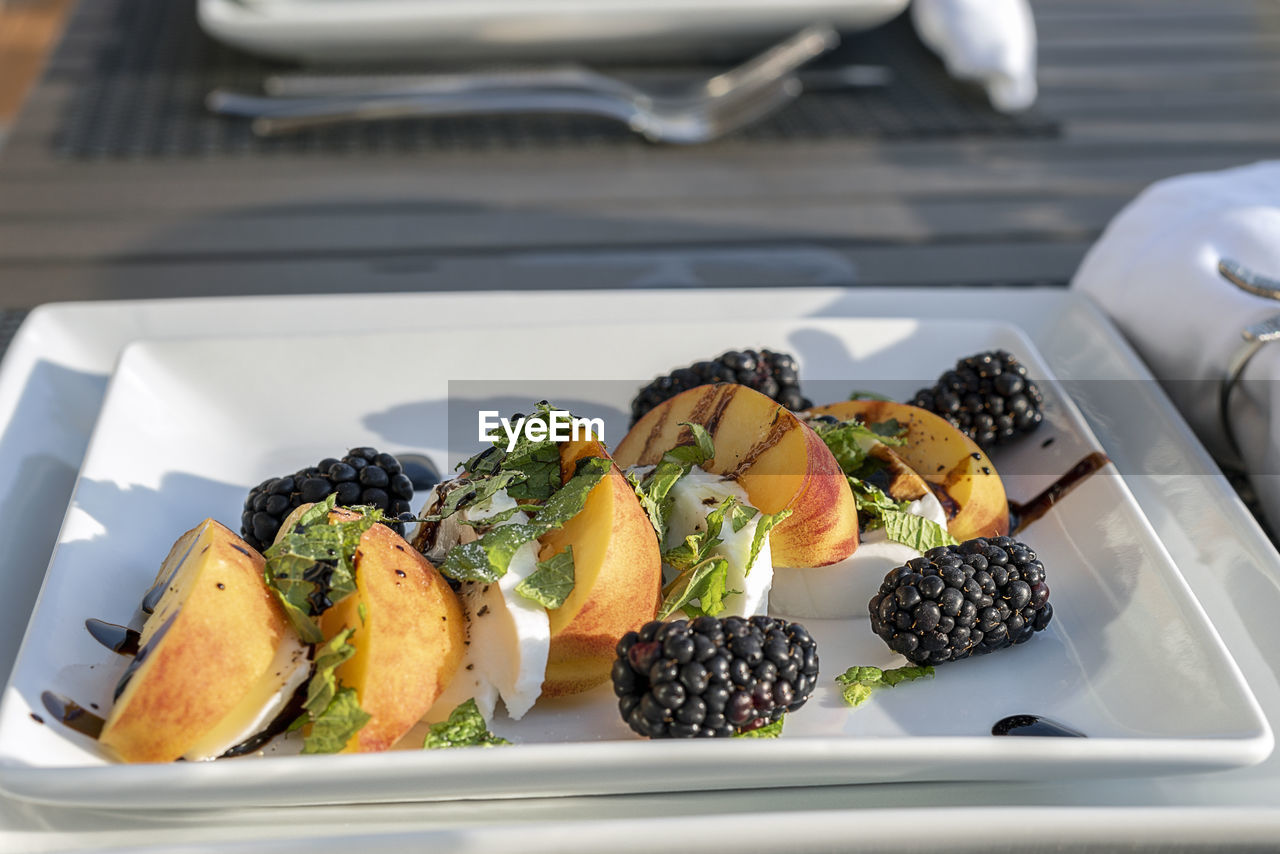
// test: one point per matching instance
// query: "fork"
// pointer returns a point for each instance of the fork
(656, 120)
(700, 113)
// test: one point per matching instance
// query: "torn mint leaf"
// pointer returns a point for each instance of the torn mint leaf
(766, 523)
(465, 727)
(859, 683)
(917, 532)
(472, 493)
(552, 582)
(569, 499)
(487, 558)
(323, 686)
(332, 711)
(335, 726)
(699, 591)
(312, 567)
(654, 490)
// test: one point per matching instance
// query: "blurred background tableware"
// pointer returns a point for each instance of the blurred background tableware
(436, 32)
(698, 112)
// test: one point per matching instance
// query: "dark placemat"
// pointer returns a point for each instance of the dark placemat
(139, 71)
(10, 320)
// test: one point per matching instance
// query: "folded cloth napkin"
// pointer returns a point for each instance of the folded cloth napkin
(1155, 271)
(992, 42)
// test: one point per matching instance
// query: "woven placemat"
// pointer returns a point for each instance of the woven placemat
(139, 71)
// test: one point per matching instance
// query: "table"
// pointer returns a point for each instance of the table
(1142, 89)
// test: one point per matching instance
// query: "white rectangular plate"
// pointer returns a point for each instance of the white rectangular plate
(188, 427)
(428, 32)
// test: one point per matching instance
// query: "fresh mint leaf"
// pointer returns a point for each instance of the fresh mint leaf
(868, 395)
(699, 545)
(850, 442)
(880, 511)
(772, 730)
(569, 499)
(465, 727)
(890, 431)
(740, 515)
(767, 522)
(552, 582)
(654, 490)
(702, 449)
(917, 532)
(859, 683)
(530, 471)
(312, 567)
(871, 499)
(323, 686)
(333, 711)
(698, 591)
(496, 518)
(335, 726)
(537, 459)
(487, 558)
(472, 493)
(906, 673)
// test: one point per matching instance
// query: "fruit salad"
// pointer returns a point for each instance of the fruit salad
(676, 567)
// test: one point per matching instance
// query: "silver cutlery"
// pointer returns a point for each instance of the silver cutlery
(699, 113)
(311, 85)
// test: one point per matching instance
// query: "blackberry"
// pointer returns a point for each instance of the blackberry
(958, 601)
(770, 373)
(988, 396)
(363, 476)
(712, 677)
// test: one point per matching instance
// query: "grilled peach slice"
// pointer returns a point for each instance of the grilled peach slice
(409, 636)
(780, 462)
(617, 577)
(955, 468)
(214, 651)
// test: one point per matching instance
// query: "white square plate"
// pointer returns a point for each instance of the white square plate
(188, 427)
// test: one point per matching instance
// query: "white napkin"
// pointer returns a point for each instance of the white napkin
(992, 42)
(1155, 271)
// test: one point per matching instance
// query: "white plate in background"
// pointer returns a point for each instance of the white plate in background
(188, 427)
(431, 32)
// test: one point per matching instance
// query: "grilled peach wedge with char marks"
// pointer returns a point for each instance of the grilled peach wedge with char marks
(780, 462)
(956, 469)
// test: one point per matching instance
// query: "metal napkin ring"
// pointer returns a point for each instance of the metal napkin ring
(1254, 335)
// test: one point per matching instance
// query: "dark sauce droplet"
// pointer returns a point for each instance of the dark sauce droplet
(72, 714)
(116, 638)
(1022, 515)
(1033, 725)
(152, 597)
(37, 718)
(400, 572)
(422, 473)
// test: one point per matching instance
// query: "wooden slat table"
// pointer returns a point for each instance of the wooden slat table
(1143, 89)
